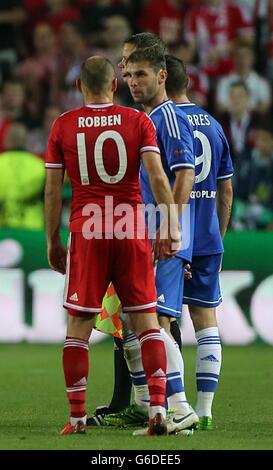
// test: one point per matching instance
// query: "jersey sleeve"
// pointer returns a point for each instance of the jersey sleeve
(177, 140)
(54, 155)
(226, 168)
(148, 135)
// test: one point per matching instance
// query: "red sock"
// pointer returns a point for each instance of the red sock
(154, 364)
(75, 366)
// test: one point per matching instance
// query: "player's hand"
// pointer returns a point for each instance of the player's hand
(166, 246)
(56, 255)
(187, 271)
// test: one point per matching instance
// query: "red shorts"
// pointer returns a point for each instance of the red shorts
(93, 264)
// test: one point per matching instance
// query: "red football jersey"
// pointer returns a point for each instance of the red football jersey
(100, 146)
(164, 19)
(216, 26)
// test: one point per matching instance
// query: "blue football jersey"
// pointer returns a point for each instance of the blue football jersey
(213, 163)
(175, 141)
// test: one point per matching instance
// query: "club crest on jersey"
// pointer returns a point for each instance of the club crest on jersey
(178, 152)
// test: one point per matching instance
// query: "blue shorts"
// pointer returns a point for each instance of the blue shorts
(169, 285)
(204, 287)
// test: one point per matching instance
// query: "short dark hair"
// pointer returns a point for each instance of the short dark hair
(152, 55)
(241, 84)
(145, 40)
(96, 74)
(177, 80)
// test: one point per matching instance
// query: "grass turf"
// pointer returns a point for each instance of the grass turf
(34, 407)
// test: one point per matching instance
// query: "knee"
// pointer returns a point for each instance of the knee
(80, 326)
(202, 317)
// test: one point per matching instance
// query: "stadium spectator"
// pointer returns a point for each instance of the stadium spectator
(264, 37)
(14, 103)
(5, 123)
(37, 138)
(37, 70)
(239, 122)
(21, 183)
(93, 17)
(116, 29)
(253, 208)
(12, 16)
(129, 265)
(198, 87)
(72, 53)
(211, 30)
(259, 87)
(165, 19)
(60, 12)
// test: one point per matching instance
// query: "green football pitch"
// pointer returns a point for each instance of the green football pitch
(34, 407)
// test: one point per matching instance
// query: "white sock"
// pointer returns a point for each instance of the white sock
(132, 354)
(175, 392)
(157, 409)
(74, 421)
(208, 365)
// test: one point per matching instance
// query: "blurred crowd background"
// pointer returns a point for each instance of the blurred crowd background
(227, 46)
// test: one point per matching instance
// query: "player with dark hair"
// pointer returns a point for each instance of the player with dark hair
(141, 41)
(146, 75)
(213, 201)
(101, 146)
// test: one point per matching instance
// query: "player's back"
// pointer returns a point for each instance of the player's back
(213, 163)
(100, 147)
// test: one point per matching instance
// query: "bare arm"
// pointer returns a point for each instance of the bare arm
(158, 180)
(184, 181)
(53, 210)
(224, 199)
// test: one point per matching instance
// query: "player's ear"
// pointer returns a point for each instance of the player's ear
(114, 85)
(162, 76)
(79, 85)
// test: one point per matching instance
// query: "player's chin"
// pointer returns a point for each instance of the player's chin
(137, 97)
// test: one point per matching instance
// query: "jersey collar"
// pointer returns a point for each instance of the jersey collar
(185, 104)
(156, 108)
(100, 105)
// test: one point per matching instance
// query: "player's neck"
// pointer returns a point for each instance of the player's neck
(179, 98)
(98, 99)
(159, 98)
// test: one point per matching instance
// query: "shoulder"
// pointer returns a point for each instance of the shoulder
(134, 116)
(67, 115)
(66, 118)
(125, 110)
(168, 114)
